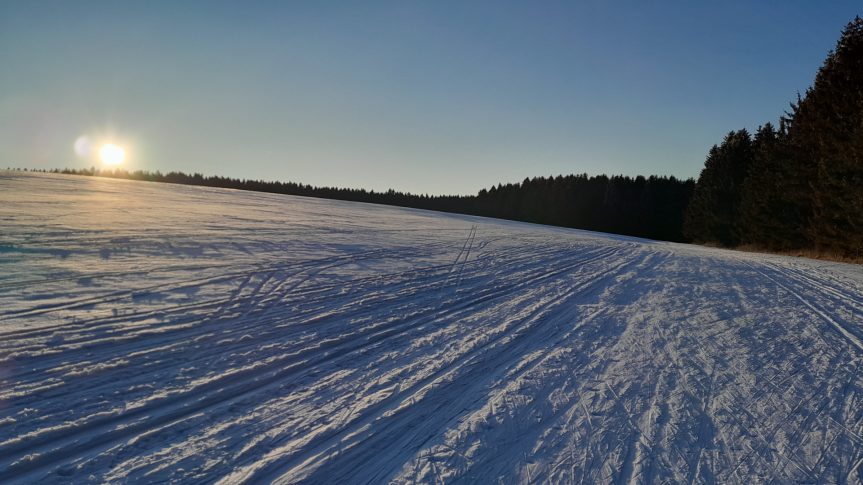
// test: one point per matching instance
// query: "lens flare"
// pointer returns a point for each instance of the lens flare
(83, 147)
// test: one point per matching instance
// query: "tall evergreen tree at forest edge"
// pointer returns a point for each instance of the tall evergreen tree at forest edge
(798, 187)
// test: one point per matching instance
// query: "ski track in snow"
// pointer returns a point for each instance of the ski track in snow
(153, 333)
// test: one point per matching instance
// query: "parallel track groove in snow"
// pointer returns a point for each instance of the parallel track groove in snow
(158, 333)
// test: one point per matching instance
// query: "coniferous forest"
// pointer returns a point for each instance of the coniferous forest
(796, 185)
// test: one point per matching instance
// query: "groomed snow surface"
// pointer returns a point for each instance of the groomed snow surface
(163, 333)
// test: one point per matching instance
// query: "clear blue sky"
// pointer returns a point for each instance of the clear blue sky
(434, 96)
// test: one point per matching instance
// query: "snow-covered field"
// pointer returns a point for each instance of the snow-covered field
(152, 332)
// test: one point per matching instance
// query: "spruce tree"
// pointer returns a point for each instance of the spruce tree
(826, 139)
(770, 218)
(714, 211)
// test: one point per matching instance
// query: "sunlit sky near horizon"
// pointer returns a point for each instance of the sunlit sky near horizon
(428, 97)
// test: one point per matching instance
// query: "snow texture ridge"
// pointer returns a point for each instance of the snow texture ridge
(164, 333)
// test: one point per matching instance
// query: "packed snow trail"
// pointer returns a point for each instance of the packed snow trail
(154, 332)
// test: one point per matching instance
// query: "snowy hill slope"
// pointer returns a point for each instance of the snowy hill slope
(152, 332)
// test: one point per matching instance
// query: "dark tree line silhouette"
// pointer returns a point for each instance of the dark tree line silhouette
(651, 207)
(795, 186)
(798, 186)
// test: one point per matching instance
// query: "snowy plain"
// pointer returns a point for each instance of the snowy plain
(164, 333)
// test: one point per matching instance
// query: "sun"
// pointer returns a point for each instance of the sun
(112, 155)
